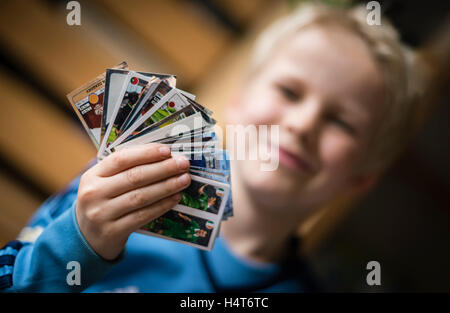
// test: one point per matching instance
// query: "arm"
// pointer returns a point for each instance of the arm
(90, 222)
(30, 265)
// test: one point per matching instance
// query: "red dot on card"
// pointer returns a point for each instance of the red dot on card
(171, 104)
(134, 80)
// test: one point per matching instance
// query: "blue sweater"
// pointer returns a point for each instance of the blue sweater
(147, 264)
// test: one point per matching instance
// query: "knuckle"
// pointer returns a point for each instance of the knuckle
(118, 159)
(93, 215)
(137, 198)
(87, 192)
(142, 216)
(135, 176)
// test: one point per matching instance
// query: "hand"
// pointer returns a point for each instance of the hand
(125, 191)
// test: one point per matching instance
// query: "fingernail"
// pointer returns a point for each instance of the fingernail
(183, 180)
(182, 162)
(164, 150)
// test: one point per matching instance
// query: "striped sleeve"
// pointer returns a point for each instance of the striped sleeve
(7, 258)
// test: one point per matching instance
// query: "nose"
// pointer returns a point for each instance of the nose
(303, 121)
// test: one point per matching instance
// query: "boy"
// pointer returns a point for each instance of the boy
(341, 92)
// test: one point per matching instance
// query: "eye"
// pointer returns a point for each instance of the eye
(341, 123)
(288, 93)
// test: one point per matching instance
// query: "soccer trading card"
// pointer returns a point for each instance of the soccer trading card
(129, 95)
(184, 228)
(193, 147)
(125, 112)
(223, 176)
(115, 79)
(159, 120)
(220, 177)
(185, 125)
(165, 107)
(190, 136)
(217, 160)
(204, 195)
(157, 89)
(168, 110)
(200, 121)
(139, 119)
(87, 102)
(199, 136)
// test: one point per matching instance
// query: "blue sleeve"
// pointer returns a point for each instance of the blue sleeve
(43, 265)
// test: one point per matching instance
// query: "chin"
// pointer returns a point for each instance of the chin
(277, 188)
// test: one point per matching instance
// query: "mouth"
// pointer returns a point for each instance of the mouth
(294, 161)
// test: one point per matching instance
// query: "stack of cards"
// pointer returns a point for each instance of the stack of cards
(121, 108)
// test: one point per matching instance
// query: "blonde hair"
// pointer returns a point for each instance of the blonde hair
(399, 63)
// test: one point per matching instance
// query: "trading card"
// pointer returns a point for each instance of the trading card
(115, 79)
(217, 160)
(129, 95)
(220, 177)
(193, 147)
(204, 196)
(185, 137)
(206, 135)
(196, 137)
(171, 108)
(149, 106)
(87, 101)
(210, 171)
(165, 107)
(225, 178)
(125, 113)
(187, 124)
(157, 90)
(173, 118)
(184, 228)
(168, 113)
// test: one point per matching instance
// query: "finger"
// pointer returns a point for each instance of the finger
(129, 157)
(143, 175)
(145, 196)
(138, 218)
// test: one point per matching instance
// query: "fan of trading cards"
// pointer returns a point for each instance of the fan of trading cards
(121, 108)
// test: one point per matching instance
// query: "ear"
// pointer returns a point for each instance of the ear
(362, 184)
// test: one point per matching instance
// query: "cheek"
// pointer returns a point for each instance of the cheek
(338, 154)
(260, 106)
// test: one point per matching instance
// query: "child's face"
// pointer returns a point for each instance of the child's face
(325, 91)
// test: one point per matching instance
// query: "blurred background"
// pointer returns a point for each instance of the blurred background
(404, 223)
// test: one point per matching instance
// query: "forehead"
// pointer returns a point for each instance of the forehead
(332, 61)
